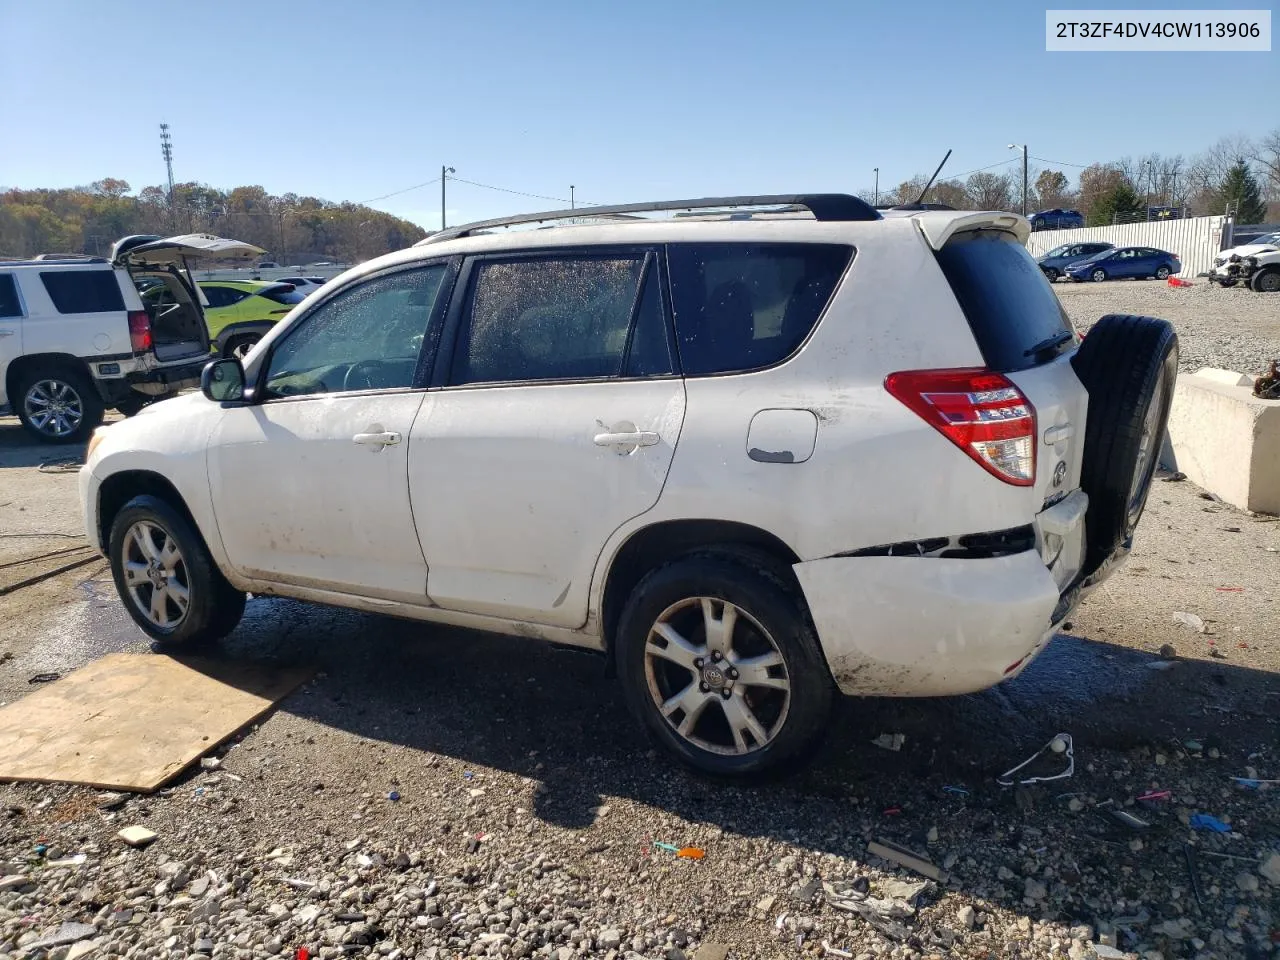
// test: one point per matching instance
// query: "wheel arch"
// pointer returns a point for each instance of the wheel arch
(658, 543)
(241, 327)
(119, 488)
(20, 365)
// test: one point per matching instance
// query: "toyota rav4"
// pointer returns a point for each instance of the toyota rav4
(762, 451)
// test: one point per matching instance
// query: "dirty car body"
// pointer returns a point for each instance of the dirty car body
(745, 456)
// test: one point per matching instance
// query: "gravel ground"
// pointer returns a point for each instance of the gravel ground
(1235, 329)
(436, 793)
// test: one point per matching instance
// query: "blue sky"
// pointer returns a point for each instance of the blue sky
(627, 101)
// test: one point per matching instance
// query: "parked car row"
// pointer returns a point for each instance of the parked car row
(1098, 261)
(1056, 219)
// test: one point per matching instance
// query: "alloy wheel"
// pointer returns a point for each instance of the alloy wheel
(716, 676)
(54, 407)
(155, 575)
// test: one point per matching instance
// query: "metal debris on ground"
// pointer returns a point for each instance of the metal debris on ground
(1203, 821)
(1267, 386)
(1128, 819)
(956, 791)
(1253, 783)
(890, 741)
(831, 951)
(63, 465)
(1061, 744)
(1152, 795)
(884, 915)
(1189, 854)
(1189, 620)
(45, 678)
(886, 850)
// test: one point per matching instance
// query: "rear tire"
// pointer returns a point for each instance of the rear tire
(58, 403)
(1162, 273)
(166, 577)
(1129, 365)
(239, 346)
(773, 667)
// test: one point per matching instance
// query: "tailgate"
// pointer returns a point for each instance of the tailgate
(1061, 403)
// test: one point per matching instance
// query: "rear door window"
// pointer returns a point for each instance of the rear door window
(83, 291)
(1013, 312)
(744, 306)
(10, 305)
(282, 295)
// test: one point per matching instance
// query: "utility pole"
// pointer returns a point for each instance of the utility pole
(571, 203)
(1025, 193)
(877, 172)
(166, 151)
(444, 177)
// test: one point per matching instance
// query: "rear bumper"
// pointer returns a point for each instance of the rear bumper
(930, 626)
(162, 381)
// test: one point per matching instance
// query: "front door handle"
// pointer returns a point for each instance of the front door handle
(638, 438)
(387, 439)
(7, 333)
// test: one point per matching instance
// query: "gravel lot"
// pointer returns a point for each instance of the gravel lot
(436, 793)
(1234, 328)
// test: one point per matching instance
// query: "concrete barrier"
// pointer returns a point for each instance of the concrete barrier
(1225, 439)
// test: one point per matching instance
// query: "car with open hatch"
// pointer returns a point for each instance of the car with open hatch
(760, 453)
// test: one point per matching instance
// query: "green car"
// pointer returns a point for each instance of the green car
(240, 312)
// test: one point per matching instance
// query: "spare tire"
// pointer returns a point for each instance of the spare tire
(1129, 365)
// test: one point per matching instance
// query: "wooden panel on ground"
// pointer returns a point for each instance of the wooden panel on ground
(135, 721)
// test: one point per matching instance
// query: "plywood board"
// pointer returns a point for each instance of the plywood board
(135, 721)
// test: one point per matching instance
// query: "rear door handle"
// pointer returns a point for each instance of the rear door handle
(388, 439)
(639, 438)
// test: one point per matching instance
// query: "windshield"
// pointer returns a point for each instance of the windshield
(1059, 251)
(1272, 239)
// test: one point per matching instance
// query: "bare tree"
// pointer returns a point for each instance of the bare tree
(990, 191)
(1266, 155)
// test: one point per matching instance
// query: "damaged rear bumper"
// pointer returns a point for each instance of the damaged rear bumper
(931, 626)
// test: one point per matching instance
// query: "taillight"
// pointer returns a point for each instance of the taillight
(139, 331)
(981, 412)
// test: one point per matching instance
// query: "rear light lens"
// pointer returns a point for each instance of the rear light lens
(139, 331)
(981, 412)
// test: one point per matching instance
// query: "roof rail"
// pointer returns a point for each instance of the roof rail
(46, 259)
(823, 206)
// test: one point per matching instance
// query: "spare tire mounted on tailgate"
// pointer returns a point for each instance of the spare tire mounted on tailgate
(1129, 365)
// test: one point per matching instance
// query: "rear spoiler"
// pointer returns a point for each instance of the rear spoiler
(938, 227)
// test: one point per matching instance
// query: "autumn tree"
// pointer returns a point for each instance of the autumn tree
(1054, 189)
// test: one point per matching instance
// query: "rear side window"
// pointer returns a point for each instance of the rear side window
(83, 291)
(1013, 312)
(223, 296)
(564, 318)
(10, 306)
(743, 306)
(281, 295)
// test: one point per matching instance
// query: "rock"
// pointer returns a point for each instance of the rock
(932, 835)
(1246, 882)
(1004, 873)
(610, 939)
(198, 888)
(1189, 620)
(712, 951)
(85, 948)
(137, 836)
(204, 946)
(1270, 868)
(1075, 804)
(1179, 929)
(15, 882)
(765, 904)
(69, 932)
(967, 916)
(807, 891)
(905, 890)
(1168, 651)
(273, 946)
(1034, 889)
(1104, 952)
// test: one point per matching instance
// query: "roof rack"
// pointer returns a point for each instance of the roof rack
(47, 258)
(823, 206)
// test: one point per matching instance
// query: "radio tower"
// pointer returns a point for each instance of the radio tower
(166, 150)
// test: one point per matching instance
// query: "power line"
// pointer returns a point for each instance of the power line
(992, 166)
(396, 193)
(521, 193)
(1061, 163)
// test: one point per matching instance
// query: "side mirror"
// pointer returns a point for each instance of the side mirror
(223, 380)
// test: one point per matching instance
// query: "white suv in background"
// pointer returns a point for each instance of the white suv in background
(76, 339)
(770, 449)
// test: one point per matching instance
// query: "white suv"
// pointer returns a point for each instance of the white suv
(75, 338)
(772, 448)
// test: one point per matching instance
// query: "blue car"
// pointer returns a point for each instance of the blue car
(1127, 262)
(1056, 219)
(1056, 261)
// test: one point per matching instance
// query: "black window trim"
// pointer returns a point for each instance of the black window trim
(652, 257)
(835, 292)
(17, 292)
(256, 394)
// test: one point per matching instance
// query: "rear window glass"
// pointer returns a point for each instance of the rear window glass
(83, 291)
(282, 295)
(742, 306)
(1009, 304)
(9, 305)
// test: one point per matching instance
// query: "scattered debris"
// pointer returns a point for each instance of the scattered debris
(908, 891)
(888, 851)
(1189, 620)
(1060, 744)
(956, 791)
(1267, 386)
(1176, 477)
(45, 678)
(691, 853)
(890, 741)
(1128, 819)
(1270, 868)
(69, 932)
(72, 861)
(210, 763)
(1153, 795)
(112, 801)
(137, 836)
(831, 951)
(393, 796)
(1168, 651)
(884, 915)
(1203, 821)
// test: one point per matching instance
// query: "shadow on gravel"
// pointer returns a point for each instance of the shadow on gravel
(523, 707)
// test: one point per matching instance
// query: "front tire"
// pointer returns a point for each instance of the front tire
(1098, 275)
(1051, 274)
(1266, 281)
(58, 404)
(719, 661)
(166, 578)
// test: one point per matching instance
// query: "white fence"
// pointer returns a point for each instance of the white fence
(1195, 240)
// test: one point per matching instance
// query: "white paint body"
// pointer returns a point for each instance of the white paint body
(501, 510)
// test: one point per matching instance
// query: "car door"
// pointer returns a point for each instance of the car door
(309, 478)
(11, 314)
(556, 421)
